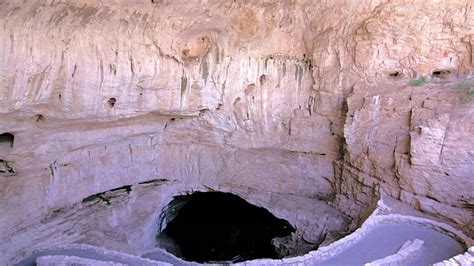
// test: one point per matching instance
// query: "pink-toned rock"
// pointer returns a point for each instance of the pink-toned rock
(334, 101)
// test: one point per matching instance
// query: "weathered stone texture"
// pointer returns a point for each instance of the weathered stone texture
(308, 98)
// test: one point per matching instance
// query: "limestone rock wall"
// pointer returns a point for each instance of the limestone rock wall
(411, 104)
(311, 98)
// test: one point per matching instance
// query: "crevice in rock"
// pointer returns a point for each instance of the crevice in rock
(395, 74)
(39, 118)
(6, 169)
(108, 195)
(154, 182)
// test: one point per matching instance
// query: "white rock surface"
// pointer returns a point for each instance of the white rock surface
(305, 98)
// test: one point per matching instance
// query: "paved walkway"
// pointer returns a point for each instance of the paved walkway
(91, 253)
(387, 239)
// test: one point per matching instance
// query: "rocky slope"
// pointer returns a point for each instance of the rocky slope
(327, 100)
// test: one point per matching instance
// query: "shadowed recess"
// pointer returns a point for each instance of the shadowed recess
(216, 226)
(7, 138)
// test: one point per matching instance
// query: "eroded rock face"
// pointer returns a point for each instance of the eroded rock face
(426, 161)
(299, 98)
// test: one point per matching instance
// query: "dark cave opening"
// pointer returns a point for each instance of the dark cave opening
(441, 73)
(7, 138)
(217, 226)
(111, 102)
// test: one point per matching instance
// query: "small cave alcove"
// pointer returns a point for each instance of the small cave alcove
(217, 227)
(7, 139)
(6, 143)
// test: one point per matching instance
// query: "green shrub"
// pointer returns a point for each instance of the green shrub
(466, 90)
(418, 82)
(471, 91)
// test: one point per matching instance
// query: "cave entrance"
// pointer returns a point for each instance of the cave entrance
(6, 142)
(217, 226)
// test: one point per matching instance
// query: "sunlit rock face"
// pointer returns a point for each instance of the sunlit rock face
(334, 102)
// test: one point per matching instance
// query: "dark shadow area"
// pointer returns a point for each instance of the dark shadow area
(6, 169)
(7, 139)
(441, 73)
(395, 74)
(216, 226)
(111, 102)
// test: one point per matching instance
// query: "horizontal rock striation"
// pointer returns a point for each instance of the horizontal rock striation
(331, 101)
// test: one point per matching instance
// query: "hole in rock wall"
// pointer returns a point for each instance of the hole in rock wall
(217, 226)
(441, 73)
(7, 139)
(39, 118)
(6, 143)
(111, 102)
(395, 74)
